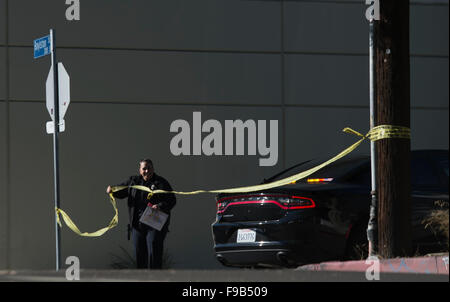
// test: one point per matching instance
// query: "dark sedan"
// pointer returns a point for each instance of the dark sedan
(323, 217)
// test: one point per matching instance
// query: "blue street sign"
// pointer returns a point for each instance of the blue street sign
(42, 47)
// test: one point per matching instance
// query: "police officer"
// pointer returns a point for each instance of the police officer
(148, 242)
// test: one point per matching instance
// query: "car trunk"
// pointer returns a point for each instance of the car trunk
(243, 209)
(259, 206)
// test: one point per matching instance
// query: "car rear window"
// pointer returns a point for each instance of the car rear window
(443, 164)
(423, 174)
(335, 170)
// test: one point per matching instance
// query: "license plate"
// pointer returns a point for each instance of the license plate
(246, 235)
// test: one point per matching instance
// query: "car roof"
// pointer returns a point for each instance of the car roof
(335, 170)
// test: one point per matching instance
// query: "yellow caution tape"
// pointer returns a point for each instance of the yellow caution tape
(375, 134)
(98, 233)
(388, 131)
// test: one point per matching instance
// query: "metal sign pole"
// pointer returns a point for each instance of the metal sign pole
(372, 226)
(55, 144)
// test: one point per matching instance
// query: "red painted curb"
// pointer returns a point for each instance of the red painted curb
(422, 265)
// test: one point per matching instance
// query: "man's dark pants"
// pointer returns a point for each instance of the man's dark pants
(148, 246)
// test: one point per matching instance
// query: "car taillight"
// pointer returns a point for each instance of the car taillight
(297, 202)
(221, 206)
(286, 202)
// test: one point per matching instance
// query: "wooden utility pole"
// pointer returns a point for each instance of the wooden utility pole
(393, 108)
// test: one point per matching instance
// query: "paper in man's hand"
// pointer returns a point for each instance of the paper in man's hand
(154, 218)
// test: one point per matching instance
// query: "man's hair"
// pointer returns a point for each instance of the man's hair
(147, 161)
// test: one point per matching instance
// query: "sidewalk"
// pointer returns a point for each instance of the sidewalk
(433, 264)
(225, 276)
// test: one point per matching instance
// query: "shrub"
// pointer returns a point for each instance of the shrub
(437, 220)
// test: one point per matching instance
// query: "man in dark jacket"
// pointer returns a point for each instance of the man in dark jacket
(148, 242)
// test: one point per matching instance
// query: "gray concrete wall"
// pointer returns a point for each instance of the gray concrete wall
(137, 66)
(3, 22)
(4, 211)
(155, 77)
(137, 24)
